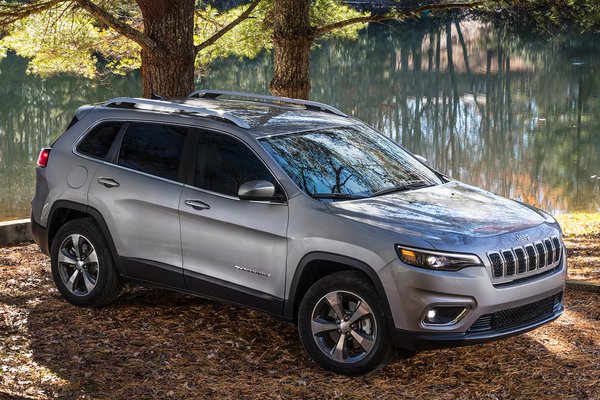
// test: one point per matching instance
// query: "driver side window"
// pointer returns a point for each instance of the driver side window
(224, 163)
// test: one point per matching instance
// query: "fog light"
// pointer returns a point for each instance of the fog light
(444, 315)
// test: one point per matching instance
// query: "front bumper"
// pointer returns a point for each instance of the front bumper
(417, 341)
(412, 291)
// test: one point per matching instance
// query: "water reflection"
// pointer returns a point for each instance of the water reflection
(508, 111)
(505, 111)
(33, 112)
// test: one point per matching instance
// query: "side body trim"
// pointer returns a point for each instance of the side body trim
(213, 288)
(160, 273)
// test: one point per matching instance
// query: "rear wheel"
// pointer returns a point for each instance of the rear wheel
(82, 266)
(342, 326)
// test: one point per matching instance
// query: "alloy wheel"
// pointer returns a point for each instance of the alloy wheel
(78, 264)
(344, 327)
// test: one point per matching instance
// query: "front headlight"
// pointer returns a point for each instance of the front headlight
(436, 260)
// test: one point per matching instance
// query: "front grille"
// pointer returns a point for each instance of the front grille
(483, 323)
(517, 316)
(520, 262)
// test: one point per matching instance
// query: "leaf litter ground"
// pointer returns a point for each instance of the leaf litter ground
(157, 344)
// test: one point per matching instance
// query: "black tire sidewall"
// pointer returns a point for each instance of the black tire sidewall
(354, 283)
(106, 272)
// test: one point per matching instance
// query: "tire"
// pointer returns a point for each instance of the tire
(332, 340)
(84, 274)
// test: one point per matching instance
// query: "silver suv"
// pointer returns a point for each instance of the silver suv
(295, 209)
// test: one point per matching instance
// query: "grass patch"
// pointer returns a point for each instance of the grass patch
(580, 225)
(582, 238)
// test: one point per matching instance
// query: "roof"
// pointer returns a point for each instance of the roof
(267, 118)
(260, 118)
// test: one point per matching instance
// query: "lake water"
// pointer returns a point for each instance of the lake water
(508, 111)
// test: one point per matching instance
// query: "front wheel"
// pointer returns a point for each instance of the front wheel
(82, 266)
(342, 326)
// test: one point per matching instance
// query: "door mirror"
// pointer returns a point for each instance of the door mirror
(420, 158)
(256, 190)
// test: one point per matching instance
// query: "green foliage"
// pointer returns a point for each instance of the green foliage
(245, 40)
(57, 40)
(253, 35)
(121, 54)
(549, 15)
(67, 39)
(326, 12)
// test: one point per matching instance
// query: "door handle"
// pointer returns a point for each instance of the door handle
(108, 182)
(197, 204)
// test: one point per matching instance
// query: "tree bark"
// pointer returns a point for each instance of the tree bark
(292, 40)
(293, 37)
(168, 69)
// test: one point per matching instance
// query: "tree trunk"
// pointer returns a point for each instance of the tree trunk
(292, 40)
(168, 70)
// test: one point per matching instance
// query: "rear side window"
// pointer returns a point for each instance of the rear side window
(153, 148)
(97, 143)
(224, 163)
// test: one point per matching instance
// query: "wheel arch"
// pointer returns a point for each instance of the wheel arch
(63, 211)
(316, 265)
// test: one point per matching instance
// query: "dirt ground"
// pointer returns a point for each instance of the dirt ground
(155, 344)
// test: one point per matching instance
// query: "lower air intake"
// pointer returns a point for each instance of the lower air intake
(517, 316)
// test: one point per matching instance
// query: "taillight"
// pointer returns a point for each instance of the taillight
(43, 157)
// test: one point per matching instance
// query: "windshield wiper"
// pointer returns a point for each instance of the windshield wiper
(402, 188)
(336, 196)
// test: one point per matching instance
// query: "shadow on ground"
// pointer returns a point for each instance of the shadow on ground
(154, 343)
(157, 344)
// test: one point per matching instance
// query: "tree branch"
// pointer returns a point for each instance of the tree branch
(124, 29)
(211, 40)
(210, 21)
(384, 17)
(14, 12)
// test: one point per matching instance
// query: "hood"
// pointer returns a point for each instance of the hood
(448, 213)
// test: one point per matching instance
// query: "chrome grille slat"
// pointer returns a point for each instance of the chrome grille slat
(509, 260)
(557, 248)
(549, 251)
(497, 264)
(541, 259)
(531, 257)
(521, 263)
(527, 259)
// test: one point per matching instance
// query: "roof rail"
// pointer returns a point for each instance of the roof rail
(213, 94)
(157, 104)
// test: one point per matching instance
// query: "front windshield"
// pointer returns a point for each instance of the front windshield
(347, 162)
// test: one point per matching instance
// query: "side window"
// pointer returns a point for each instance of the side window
(153, 148)
(97, 143)
(224, 163)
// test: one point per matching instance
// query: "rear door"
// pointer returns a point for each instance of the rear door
(233, 249)
(137, 192)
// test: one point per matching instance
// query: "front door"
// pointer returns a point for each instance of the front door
(232, 248)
